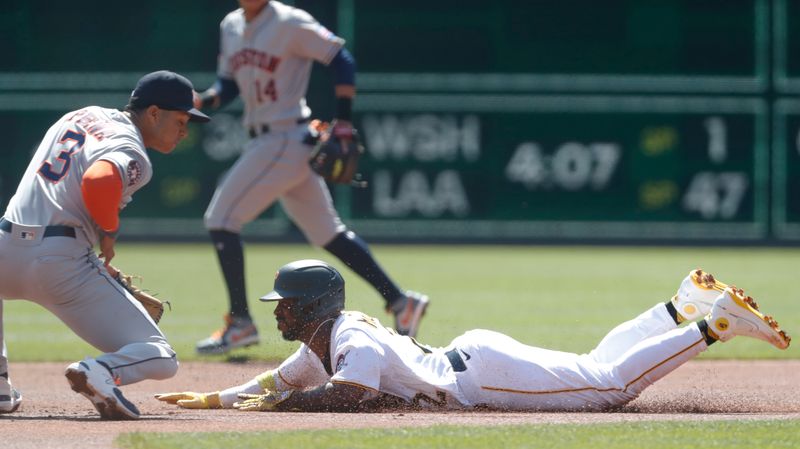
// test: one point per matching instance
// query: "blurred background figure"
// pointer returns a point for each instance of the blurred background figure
(266, 54)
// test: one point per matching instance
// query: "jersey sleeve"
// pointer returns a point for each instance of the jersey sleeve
(302, 369)
(133, 167)
(312, 40)
(357, 361)
(101, 188)
(225, 30)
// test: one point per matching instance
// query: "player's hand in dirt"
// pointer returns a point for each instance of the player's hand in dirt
(261, 402)
(190, 399)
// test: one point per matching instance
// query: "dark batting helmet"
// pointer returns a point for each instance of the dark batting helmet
(316, 288)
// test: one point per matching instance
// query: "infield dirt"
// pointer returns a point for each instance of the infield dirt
(52, 416)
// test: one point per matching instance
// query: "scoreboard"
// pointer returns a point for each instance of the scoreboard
(527, 166)
(573, 119)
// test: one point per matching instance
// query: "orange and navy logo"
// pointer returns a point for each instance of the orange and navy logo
(721, 324)
(134, 172)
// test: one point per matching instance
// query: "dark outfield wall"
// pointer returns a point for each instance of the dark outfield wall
(509, 120)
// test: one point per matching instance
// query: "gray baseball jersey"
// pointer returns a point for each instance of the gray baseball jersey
(486, 368)
(50, 189)
(270, 58)
(61, 272)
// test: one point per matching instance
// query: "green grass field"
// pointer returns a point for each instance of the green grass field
(563, 298)
(657, 435)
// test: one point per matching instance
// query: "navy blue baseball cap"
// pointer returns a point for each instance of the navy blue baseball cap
(167, 90)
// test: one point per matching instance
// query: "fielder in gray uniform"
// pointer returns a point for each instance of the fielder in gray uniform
(87, 167)
(348, 362)
(266, 53)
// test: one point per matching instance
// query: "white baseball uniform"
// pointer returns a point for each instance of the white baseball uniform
(486, 368)
(270, 58)
(47, 256)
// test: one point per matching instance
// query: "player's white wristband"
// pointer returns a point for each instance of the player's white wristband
(228, 396)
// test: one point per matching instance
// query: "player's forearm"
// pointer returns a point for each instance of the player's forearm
(344, 73)
(326, 398)
(230, 395)
(260, 384)
(344, 103)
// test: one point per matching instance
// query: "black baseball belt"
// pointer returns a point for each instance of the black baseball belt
(257, 130)
(49, 231)
(456, 360)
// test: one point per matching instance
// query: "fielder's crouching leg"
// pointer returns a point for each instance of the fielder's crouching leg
(135, 362)
(98, 379)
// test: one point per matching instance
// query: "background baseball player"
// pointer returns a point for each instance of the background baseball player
(266, 54)
(348, 357)
(85, 170)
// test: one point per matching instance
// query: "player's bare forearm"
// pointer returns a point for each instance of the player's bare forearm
(107, 252)
(325, 398)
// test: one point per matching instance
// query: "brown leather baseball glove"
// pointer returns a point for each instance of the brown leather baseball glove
(153, 305)
(337, 151)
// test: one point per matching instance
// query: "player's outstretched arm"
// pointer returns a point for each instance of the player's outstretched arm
(331, 397)
(259, 385)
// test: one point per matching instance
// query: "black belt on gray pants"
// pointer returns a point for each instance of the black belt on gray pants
(49, 231)
(456, 360)
(257, 130)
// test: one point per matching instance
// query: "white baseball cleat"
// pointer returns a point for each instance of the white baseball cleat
(10, 397)
(94, 382)
(408, 313)
(734, 313)
(697, 294)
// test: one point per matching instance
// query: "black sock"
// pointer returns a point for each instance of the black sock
(231, 260)
(673, 312)
(353, 251)
(703, 326)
